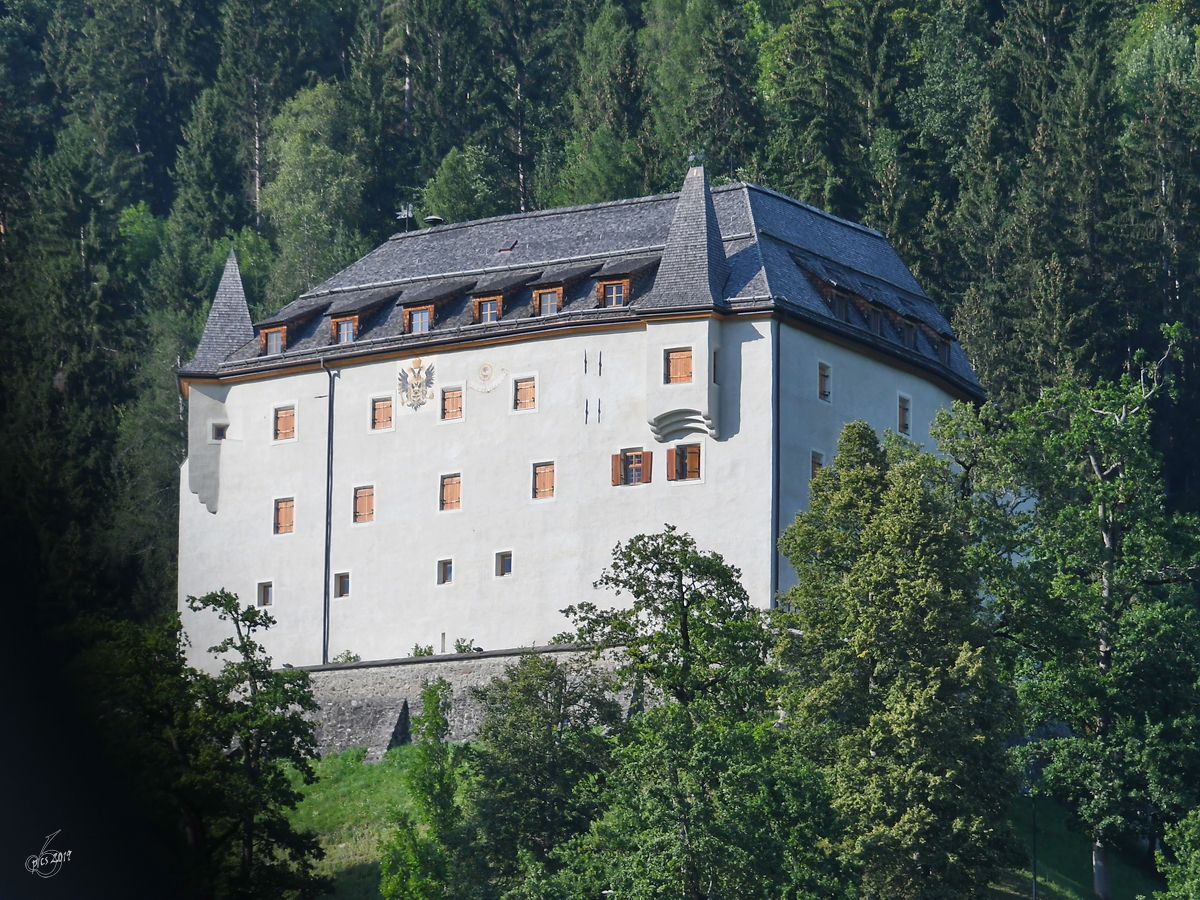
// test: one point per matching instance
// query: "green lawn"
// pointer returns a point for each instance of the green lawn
(351, 808)
(353, 804)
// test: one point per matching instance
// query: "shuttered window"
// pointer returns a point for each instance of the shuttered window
(285, 423)
(524, 393)
(683, 463)
(543, 481)
(381, 413)
(452, 403)
(364, 504)
(677, 366)
(450, 492)
(818, 460)
(285, 511)
(823, 391)
(632, 467)
(904, 416)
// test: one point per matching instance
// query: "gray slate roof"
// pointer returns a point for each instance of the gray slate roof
(733, 247)
(228, 326)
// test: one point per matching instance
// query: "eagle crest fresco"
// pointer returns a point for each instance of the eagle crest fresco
(416, 384)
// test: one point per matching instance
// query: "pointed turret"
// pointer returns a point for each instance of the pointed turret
(228, 326)
(693, 269)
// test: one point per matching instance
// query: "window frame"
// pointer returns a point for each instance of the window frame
(824, 381)
(364, 492)
(502, 557)
(816, 463)
(462, 396)
(477, 308)
(265, 589)
(602, 290)
(340, 580)
(672, 355)
(265, 340)
(445, 570)
(539, 292)
(621, 467)
(277, 525)
(677, 464)
(553, 480)
(390, 400)
(904, 414)
(408, 314)
(444, 482)
(518, 380)
(335, 326)
(275, 411)
(213, 437)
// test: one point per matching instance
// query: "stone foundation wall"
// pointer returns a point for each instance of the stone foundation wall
(362, 704)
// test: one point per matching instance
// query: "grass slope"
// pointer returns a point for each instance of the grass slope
(354, 803)
(351, 808)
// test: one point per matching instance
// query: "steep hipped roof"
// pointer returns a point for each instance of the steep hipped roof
(228, 326)
(733, 248)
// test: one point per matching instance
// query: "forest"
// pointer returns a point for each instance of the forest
(1033, 161)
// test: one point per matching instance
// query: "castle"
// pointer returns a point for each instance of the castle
(445, 440)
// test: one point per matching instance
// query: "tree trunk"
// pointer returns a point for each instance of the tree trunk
(1101, 878)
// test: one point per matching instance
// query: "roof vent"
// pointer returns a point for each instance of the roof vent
(508, 245)
(433, 221)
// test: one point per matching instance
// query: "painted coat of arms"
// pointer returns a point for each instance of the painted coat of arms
(416, 384)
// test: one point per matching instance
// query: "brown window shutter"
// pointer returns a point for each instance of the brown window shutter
(671, 470)
(693, 462)
(616, 469)
(537, 302)
(647, 459)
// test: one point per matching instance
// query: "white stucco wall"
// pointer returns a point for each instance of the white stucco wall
(559, 545)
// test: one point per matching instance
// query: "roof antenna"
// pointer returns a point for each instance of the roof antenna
(405, 214)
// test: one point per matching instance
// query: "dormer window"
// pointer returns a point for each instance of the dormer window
(840, 304)
(274, 340)
(547, 302)
(943, 348)
(908, 335)
(418, 319)
(487, 309)
(876, 321)
(614, 293)
(345, 330)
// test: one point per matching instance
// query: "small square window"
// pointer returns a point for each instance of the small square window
(612, 293)
(341, 584)
(285, 515)
(904, 416)
(452, 403)
(503, 564)
(445, 571)
(677, 366)
(381, 413)
(487, 310)
(818, 460)
(824, 385)
(524, 393)
(451, 492)
(274, 341)
(631, 466)
(418, 319)
(543, 481)
(364, 504)
(546, 303)
(683, 463)
(266, 593)
(220, 432)
(285, 423)
(345, 330)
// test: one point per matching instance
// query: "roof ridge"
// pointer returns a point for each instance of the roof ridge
(533, 214)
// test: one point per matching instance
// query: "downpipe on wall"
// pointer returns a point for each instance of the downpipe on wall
(328, 516)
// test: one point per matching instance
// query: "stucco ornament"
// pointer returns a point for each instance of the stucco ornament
(416, 384)
(489, 379)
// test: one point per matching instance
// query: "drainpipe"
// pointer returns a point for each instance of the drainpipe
(776, 427)
(328, 517)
